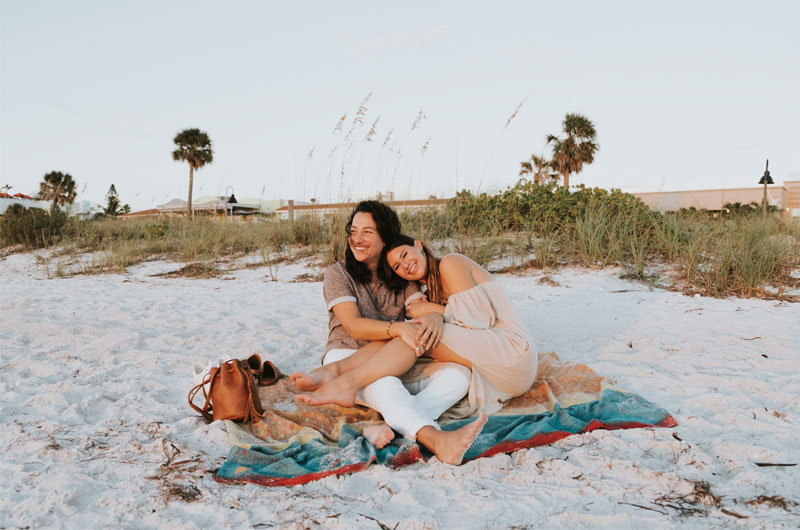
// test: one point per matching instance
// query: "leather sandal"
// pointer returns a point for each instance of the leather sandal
(254, 363)
(269, 374)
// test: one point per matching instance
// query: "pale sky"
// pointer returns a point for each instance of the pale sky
(684, 95)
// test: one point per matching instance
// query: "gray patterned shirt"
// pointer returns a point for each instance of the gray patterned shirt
(338, 286)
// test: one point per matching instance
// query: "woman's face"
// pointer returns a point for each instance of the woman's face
(365, 242)
(408, 262)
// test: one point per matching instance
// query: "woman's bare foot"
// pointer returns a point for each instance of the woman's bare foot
(336, 391)
(318, 376)
(378, 435)
(450, 446)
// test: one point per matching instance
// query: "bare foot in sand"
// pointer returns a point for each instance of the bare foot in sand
(336, 391)
(311, 381)
(450, 446)
(378, 435)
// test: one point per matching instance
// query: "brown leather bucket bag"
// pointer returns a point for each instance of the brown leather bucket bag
(231, 393)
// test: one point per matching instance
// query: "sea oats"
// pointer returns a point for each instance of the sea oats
(362, 109)
(427, 143)
(388, 137)
(371, 132)
(358, 119)
(339, 123)
(514, 115)
(420, 116)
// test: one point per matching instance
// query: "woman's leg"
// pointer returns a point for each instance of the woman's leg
(329, 370)
(394, 359)
(446, 355)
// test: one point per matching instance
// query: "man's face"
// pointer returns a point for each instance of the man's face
(365, 242)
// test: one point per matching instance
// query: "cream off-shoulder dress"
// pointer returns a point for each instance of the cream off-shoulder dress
(482, 327)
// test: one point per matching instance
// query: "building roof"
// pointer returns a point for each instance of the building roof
(141, 213)
(174, 203)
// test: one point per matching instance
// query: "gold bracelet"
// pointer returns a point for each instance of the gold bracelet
(388, 327)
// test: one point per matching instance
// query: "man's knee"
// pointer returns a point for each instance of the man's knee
(382, 390)
(455, 378)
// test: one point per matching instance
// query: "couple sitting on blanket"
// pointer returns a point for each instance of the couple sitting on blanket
(464, 340)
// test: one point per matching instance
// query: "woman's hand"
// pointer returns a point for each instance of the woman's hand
(430, 330)
(421, 308)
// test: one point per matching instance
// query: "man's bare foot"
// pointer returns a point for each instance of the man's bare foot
(378, 435)
(336, 391)
(450, 446)
(311, 381)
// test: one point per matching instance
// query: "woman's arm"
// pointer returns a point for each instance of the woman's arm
(421, 308)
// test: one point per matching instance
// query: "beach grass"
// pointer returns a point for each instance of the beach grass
(745, 254)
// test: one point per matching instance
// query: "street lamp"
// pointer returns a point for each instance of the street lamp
(766, 179)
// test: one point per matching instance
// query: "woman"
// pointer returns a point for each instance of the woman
(364, 315)
(481, 331)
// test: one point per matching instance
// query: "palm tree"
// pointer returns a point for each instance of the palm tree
(58, 187)
(577, 148)
(194, 147)
(537, 165)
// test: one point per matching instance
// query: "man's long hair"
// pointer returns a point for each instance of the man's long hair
(388, 225)
(396, 283)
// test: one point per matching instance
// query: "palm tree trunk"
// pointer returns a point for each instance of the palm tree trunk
(566, 181)
(56, 191)
(189, 212)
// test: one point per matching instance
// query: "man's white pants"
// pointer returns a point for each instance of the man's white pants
(408, 407)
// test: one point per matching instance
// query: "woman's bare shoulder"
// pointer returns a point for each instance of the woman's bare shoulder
(460, 273)
(455, 263)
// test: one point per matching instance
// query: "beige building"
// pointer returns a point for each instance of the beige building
(786, 197)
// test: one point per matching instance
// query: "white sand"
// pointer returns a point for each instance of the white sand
(95, 372)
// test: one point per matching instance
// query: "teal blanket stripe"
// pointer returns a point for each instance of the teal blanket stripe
(301, 463)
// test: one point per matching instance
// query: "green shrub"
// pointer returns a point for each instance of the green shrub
(543, 226)
(31, 227)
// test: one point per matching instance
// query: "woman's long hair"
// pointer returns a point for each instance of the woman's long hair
(432, 279)
(388, 225)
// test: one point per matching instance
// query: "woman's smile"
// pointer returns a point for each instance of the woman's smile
(408, 262)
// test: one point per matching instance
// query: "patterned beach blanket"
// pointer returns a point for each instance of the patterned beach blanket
(295, 443)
